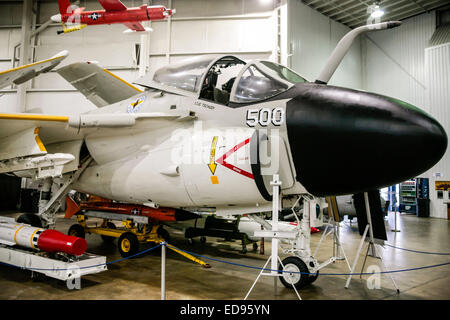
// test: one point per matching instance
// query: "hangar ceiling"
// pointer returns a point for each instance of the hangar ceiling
(353, 13)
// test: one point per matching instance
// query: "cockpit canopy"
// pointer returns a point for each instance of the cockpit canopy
(225, 80)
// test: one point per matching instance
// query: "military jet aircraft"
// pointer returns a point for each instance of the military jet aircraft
(208, 133)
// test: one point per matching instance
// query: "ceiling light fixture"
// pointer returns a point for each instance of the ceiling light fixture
(376, 11)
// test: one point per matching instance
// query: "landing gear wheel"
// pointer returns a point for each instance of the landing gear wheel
(109, 239)
(31, 219)
(191, 241)
(299, 276)
(128, 244)
(76, 230)
(255, 246)
(202, 240)
(313, 277)
(163, 233)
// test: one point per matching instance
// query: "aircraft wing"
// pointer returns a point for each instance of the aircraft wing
(25, 134)
(97, 84)
(135, 26)
(26, 72)
(112, 5)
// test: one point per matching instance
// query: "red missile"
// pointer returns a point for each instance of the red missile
(12, 233)
(157, 214)
(114, 12)
(55, 241)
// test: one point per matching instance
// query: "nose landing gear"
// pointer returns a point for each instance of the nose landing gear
(300, 269)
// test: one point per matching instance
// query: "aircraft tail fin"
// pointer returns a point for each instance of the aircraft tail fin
(97, 84)
(71, 208)
(64, 7)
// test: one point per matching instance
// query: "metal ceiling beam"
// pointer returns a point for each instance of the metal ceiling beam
(343, 4)
(419, 5)
(406, 4)
(357, 11)
(349, 12)
(311, 2)
(337, 6)
(353, 13)
(432, 3)
(430, 6)
(364, 8)
(397, 16)
(325, 4)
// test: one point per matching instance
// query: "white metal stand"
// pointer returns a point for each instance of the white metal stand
(57, 267)
(395, 222)
(371, 248)
(163, 271)
(337, 247)
(392, 196)
(274, 235)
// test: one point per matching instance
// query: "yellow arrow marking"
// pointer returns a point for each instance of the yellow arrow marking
(212, 163)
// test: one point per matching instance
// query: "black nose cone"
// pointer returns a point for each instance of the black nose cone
(345, 141)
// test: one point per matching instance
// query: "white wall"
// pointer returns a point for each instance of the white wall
(312, 38)
(437, 64)
(244, 28)
(395, 60)
(398, 63)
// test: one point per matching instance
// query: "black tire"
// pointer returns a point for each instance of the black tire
(109, 239)
(163, 233)
(77, 230)
(313, 277)
(31, 219)
(203, 240)
(128, 244)
(299, 278)
(191, 241)
(255, 246)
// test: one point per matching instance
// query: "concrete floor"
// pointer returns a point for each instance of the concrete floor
(139, 278)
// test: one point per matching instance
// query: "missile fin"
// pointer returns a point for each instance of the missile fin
(71, 208)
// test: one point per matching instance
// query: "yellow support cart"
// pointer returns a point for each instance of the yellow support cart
(135, 230)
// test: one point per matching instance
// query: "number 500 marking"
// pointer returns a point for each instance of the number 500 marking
(265, 116)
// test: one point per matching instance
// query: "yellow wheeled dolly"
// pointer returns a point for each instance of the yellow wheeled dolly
(130, 235)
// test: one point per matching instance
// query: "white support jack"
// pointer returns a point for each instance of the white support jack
(332, 227)
(274, 235)
(395, 222)
(371, 248)
(300, 268)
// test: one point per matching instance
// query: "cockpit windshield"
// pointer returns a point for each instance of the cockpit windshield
(220, 79)
(225, 80)
(186, 75)
(262, 80)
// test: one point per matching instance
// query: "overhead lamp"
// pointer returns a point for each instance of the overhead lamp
(376, 12)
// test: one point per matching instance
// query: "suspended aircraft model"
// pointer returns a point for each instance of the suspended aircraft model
(208, 134)
(114, 12)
